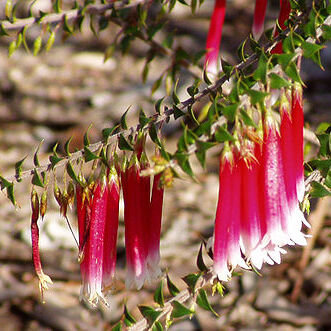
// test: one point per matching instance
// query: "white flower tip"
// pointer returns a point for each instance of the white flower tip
(222, 272)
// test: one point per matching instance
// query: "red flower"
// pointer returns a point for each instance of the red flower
(259, 15)
(215, 36)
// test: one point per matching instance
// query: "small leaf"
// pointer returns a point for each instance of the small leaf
(257, 96)
(18, 169)
(202, 301)
(71, 172)
(158, 105)
(180, 310)
(173, 290)
(108, 132)
(319, 190)
(200, 263)
(157, 84)
(158, 295)
(117, 327)
(174, 95)
(37, 45)
(149, 313)
(292, 72)
(89, 155)
(123, 144)
(247, 119)
(66, 146)
(124, 125)
(12, 48)
(36, 179)
(143, 119)
(222, 134)
(277, 82)
(157, 326)
(154, 136)
(11, 195)
(191, 280)
(261, 71)
(128, 318)
(230, 111)
(183, 161)
(177, 112)
(50, 41)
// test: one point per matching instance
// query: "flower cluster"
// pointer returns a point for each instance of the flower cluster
(216, 26)
(261, 185)
(98, 215)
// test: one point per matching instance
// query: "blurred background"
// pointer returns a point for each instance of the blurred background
(57, 95)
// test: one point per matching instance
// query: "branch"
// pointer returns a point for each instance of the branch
(181, 297)
(158, 119)
(70, 15)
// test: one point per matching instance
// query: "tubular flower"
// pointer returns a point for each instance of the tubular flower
(154, 233)
(97, 210)
(111, 226)
(284, 14)
(214, 36)
(258, 208)
(297, 128)
(142, 217)
(135, 229)
(44, 280)
(259, 15)
(227, 223)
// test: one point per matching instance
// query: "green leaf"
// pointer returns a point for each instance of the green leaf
(143, 119)
(36, 179)
(50, 41)
(108, 132)
(89, 155)
(154, 136)
(117, 327)
(177, 112)
(124, 125)
(202, 301)
(124, 145)
(191, 280)
(12, 48)
(200, 263)
(257, 96)
(71, 172)
(183, 161)
(230, 111)
(158, 295)
(37, 45)
(18, 169)
(157, 326)
(67, 146)
(284, 59)
(319, 190)
(4, 183)
(158, 105)
(173, 290)
(292, 72)
(261, 71)
(11, 195)
(149, 313)
(157, 84)
(247, 119)
(180, 310)
(324, 139)
(326, 32)
(174, 95)
(277, 82)
(222, 134)
(54, 159)
(129, 320)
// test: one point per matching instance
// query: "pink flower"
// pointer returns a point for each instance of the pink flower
(111, 226)
(142, 217)
(215, 36)
(284, 14)
(227, 253)
(135, 227)
(97, 210)
(259, 15)
(154, 233)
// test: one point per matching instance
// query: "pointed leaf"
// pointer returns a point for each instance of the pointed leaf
(36, 179)
(158, 295)
(128, 318)
(180, 310)
(200, 263)
(18, 169)
(173, 290)
(89, 155)
(149, 313)
(124, 145)
(277, 82)
(202, 301)
(222, 134)
(191, 280)
(157, 326)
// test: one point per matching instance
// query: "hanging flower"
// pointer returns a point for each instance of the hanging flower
(44, 280)
(227, 253)
(111, 226)
(135, 227)
(284, 14)
(259, 15)
(214, 37)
